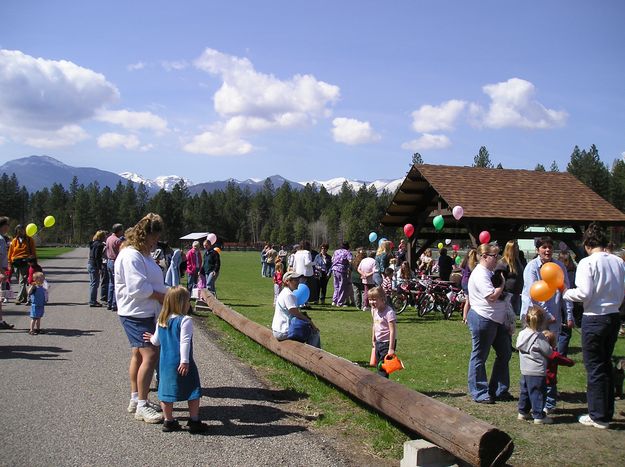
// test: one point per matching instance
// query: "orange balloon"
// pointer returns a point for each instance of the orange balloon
(540, 291)
(553, 275)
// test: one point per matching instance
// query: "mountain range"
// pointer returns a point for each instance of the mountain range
(38, 172)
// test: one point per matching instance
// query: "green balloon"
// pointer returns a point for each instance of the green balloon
(438, 222)
(458, 260)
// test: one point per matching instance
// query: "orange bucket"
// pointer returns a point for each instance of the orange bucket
(391, 363)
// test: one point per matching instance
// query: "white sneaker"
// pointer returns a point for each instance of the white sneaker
(543, 421)
(132, 406)
(148, 415)
(586, 420)
(523, 416)
(549, 411)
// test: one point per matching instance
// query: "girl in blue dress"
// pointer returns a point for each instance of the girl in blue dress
(178, 376)
(37, 296)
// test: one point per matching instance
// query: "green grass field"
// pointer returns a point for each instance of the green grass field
(435, 353)
(44, 253)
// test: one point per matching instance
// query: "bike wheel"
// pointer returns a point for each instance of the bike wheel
(448, 311)
(425, 304)
(399, 301)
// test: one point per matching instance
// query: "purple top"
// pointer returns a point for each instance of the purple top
(340, 261)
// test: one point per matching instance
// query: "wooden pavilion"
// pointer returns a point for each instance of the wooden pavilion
(503, 202)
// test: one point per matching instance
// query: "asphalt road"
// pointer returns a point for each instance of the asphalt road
(64, 395)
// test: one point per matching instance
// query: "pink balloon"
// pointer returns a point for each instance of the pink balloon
(484, 236)
(457, 212)
(409, 230)
(212, 238)
(456, 247)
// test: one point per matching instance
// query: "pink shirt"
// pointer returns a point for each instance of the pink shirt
(381, 320)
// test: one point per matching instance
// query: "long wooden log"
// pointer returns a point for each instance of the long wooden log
(466, 437)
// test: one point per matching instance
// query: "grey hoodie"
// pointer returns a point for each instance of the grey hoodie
(533, 352)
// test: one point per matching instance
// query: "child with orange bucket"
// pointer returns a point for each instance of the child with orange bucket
(384, 330)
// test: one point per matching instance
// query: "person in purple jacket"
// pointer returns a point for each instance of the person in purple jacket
(341, 260)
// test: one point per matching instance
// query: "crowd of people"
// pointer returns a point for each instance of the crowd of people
(498, 291)
(138, 276)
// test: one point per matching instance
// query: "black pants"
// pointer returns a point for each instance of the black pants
(323, 286)
(599, 335)
(381, 349)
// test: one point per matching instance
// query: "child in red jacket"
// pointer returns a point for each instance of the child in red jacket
(555, 359)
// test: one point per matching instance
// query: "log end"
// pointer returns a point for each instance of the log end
(495, 448)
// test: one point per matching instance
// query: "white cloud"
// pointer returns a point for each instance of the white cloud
(513, 104)
(351, 131)
(218, 143)
(437, 118)
(247, 92)
(427, 141)
(133, 120)
(174, 65)
(116, 140)
(135, 66)
(41, 94)
(66, 136)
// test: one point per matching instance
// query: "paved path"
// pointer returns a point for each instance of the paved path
(64, 394)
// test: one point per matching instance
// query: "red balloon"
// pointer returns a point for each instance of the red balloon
(408, 230)
(541, 292)
(456, 247)
(392, 245)
(484, 236)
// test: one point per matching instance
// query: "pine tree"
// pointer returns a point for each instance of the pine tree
(482, 159)
(539, 168)
(554, 167)
(416, 159)
(587, 167)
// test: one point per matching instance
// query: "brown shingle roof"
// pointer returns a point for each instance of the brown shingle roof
(524, 195)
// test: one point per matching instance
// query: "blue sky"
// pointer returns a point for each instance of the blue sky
(309, 90)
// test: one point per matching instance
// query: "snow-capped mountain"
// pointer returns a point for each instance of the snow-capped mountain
(166, 182)
(334, 185)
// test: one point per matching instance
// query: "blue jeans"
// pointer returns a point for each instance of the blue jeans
(110, 266)
(550, 396)
(484, 334)
(94, 283)
(599, 334)
(563, 340)
(532, 395)
(210, 282)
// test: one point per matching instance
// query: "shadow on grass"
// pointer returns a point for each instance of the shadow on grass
(572, 397)
(255, 394)
(250, 421)
(242, 305)
(31, 352)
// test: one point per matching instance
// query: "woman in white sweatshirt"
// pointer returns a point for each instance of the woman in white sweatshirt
(140, 290)
(600, 286)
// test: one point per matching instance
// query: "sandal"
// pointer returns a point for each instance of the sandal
(32, 333)
(5, 325)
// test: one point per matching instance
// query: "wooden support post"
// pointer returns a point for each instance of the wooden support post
(466, 437)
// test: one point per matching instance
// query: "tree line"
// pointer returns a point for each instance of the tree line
(278, 215)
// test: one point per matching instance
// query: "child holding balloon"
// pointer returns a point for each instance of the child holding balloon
(287, 309)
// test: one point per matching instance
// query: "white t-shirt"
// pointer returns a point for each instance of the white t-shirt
(136, 278)
(480, 287)
(286, 300)
(600, 284)
(302, 263)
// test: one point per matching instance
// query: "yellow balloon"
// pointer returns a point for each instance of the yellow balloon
(440, 245)
(49, 221)
(31, 229)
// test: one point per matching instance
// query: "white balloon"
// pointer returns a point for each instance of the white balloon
(447, 241)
